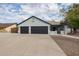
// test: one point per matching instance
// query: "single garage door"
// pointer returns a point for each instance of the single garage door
(24, 29)
(39, 30)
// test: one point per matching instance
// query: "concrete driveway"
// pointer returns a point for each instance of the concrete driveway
(28, 45)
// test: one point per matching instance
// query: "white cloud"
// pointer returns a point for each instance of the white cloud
(13, 13)
(41, 10)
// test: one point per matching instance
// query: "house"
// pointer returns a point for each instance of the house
(6, 27)
(34, 25)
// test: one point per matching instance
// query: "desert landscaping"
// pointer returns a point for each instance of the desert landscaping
(69, 45)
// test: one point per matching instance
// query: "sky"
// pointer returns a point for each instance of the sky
(17, 12)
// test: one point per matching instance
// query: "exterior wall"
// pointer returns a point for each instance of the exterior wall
(19, 29)
(62, 32)
(33, 22)
(48, 29)
(53, 32)
(56, 29)
(66, 29)
(8, 29)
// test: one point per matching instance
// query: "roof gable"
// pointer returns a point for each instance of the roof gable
(36, 18)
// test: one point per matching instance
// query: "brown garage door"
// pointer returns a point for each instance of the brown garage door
(39, 29)
(24, 29)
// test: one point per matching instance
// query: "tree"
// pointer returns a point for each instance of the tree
(72, 17)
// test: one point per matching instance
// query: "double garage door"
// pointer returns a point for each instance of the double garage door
(34, 29)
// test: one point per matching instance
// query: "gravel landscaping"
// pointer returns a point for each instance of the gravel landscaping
(75, 34)
(69, 45)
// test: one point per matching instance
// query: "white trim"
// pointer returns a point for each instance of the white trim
(19, 29)
(48, 29)
(29, 29)
(65, 29)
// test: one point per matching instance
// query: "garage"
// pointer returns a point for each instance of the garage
(39, 30)
(24, 30)
(34, 25)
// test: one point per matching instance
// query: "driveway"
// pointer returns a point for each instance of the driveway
(28, 45)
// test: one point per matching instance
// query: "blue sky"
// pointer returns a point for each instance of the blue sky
(17, 12)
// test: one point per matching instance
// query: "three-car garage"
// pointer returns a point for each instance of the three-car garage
(34, 30)
(33, 25)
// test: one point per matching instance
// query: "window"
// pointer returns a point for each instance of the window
(62, 28)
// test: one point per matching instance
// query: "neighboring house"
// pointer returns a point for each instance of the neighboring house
(6, 27)
(11, 27)
(34, 25)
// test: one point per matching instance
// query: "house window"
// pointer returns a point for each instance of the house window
(62, 28)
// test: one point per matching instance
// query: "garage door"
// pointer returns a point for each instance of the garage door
(24, 29)
(39, 29)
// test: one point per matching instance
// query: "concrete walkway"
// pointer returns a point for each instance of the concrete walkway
(24, 44)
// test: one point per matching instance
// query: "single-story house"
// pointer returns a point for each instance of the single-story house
(35, 25)
(6, 27)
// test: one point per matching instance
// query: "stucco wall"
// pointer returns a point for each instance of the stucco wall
(34, 22)
(66, 29)
(53, 32)
(8, 29)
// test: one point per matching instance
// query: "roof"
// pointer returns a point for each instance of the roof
(6, 24)
(36, 18)
(54, 22)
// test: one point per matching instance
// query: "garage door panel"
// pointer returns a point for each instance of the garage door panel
(39, 29)
(24, 29)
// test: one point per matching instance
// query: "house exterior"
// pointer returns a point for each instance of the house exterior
(6, 27)
(34, 25)
(9, 28)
